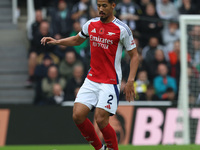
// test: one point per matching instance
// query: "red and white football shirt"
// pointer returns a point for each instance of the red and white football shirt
(106, 44)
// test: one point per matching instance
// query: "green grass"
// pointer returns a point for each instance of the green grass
(87, 147)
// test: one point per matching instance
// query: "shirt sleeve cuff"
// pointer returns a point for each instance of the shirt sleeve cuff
(82, 35)
(132, 47)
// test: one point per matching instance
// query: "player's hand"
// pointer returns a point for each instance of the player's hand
(48, 40)
(129, 91)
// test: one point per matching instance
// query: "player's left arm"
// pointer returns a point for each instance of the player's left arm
(134, 62)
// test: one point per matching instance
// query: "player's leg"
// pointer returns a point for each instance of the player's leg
(32, 63)
(85, 100)
(109, 134)
(80, 113)
(107, 104)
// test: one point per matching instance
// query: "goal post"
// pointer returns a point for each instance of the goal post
(183, 98)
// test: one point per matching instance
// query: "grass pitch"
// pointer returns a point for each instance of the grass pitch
(88, 147)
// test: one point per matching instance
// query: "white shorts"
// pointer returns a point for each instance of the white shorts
(100, 95)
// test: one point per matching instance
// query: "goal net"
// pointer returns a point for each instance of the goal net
(189, 90)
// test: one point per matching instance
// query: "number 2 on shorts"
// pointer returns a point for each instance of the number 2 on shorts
(110, 99)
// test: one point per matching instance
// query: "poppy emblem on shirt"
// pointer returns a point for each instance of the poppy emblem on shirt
(101, 31)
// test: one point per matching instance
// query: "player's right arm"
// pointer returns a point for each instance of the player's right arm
(69, 41)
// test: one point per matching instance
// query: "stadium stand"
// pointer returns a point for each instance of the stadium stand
(16, 46)
(13, 59)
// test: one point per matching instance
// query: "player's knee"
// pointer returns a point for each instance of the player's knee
(78, 117)
(101, 121)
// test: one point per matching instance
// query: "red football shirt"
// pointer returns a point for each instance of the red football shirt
(106, 44)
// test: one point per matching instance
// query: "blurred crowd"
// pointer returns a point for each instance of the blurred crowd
(57, 72)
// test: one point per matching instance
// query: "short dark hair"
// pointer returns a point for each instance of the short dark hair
(112, 1)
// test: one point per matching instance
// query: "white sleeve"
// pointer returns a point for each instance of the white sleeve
(127, 39)
(84, 32)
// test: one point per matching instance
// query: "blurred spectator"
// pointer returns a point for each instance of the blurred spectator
(170, 34)
(54, 58)
(162, 82)
(61, 20)
(128, 12)
(198, 100)
(187, 7)
(144, 3)
(60, 51)
(36, 48)
(148, 52)
(93, 9)
(49, 82)
(193, 84)
(195, 52)
(140, 84)
(142, 63)
(166, 10)
(162, 56)
(197, 4)
(194, 46)
(81, 11)
(75, 82)
(39, 4)
(36, 25)
(150, 94)
(82, 50)
(58, 95)
(153, 65)
(69, 2)
(67, 64)
(177, 3)
(42, 69)
(84, 47)
(44, 30)
(40, 73)
(171, 95)
(194, 31)
(174, 59)
(150, 25)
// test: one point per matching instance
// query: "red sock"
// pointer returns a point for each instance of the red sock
(110, 137)
(89, 133)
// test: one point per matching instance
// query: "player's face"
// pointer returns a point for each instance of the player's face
(105, 9)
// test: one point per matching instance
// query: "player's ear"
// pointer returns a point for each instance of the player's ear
(113, 5)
